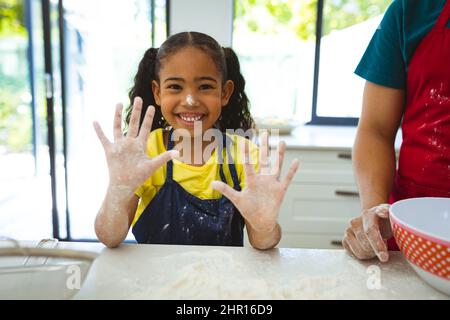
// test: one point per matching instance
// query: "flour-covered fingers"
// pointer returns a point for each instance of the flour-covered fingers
(279, 158)
(117, 125)
(227, 191)
(355, 247)
(160, 160)
(347, 247)
(101, 135)
(147, 124)
(290, 175)
(249, 170)
(133, 127)
(264, 163)
(372, 231)
(358, 230)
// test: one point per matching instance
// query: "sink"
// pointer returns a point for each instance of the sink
(42, 273)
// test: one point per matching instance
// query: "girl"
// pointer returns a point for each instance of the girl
(407, 68)
(196, 85)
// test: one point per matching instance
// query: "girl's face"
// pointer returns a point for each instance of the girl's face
(190, 90)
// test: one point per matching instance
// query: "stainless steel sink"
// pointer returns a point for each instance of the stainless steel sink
(42, 272)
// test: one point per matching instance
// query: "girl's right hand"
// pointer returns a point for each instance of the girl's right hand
(365, 236)
(129, 165)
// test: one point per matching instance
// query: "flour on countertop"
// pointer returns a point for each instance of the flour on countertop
(285, 273)
(217, 275)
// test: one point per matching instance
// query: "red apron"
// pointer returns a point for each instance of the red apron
(424, 160)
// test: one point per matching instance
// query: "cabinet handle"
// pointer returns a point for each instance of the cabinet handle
(345, 156)
(336, 243)
(346, 193)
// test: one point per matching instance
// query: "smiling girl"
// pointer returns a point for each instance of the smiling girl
(186, 87)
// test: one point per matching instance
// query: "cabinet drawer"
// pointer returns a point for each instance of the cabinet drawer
(320, 166)
(321, 176)
(320, 157)
(319, 208)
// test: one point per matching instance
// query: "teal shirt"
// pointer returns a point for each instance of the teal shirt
(404, 25)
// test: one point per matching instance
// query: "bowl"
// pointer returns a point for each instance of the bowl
(421, 228)
(284, 126)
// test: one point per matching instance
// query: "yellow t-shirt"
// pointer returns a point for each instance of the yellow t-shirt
(194, 179)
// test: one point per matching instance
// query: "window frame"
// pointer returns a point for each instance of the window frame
(46, 18)
(316, 119)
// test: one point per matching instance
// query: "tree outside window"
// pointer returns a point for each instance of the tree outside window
(15, 97)
(276, 43)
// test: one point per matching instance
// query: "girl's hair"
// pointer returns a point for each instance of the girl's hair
(235, 115)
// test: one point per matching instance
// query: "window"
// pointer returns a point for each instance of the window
(56, 172)
(298, 56)
(104, 42)
(25, 191)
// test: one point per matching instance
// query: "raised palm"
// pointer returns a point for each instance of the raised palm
(129, 165)
(259, 202)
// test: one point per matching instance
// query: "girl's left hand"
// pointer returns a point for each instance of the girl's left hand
(260, 201)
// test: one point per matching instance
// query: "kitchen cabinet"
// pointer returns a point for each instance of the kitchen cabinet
(323, 196)
(321, 200)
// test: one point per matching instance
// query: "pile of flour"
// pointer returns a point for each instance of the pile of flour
(217, 275)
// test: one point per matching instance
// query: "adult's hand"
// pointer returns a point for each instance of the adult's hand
(365, 238)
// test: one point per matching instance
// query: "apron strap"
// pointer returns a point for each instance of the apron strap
(170, 144)
(443, 17)
(231, 166)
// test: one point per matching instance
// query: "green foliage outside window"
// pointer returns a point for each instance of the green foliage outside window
(299, 16)
(12, 18)
(15, 113)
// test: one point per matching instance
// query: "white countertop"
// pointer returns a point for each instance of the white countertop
(323, 137)
(135, 271)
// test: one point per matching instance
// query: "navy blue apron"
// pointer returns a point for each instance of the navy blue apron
(174, 216)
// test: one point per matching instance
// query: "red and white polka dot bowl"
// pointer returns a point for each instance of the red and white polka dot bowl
(421, 228)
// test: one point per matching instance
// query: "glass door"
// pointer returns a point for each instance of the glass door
(104, 41)
(25, 180)
(63, 65)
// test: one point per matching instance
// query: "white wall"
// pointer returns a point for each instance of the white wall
(213, 17)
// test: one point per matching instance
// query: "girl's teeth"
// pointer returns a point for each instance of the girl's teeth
(191, 119)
